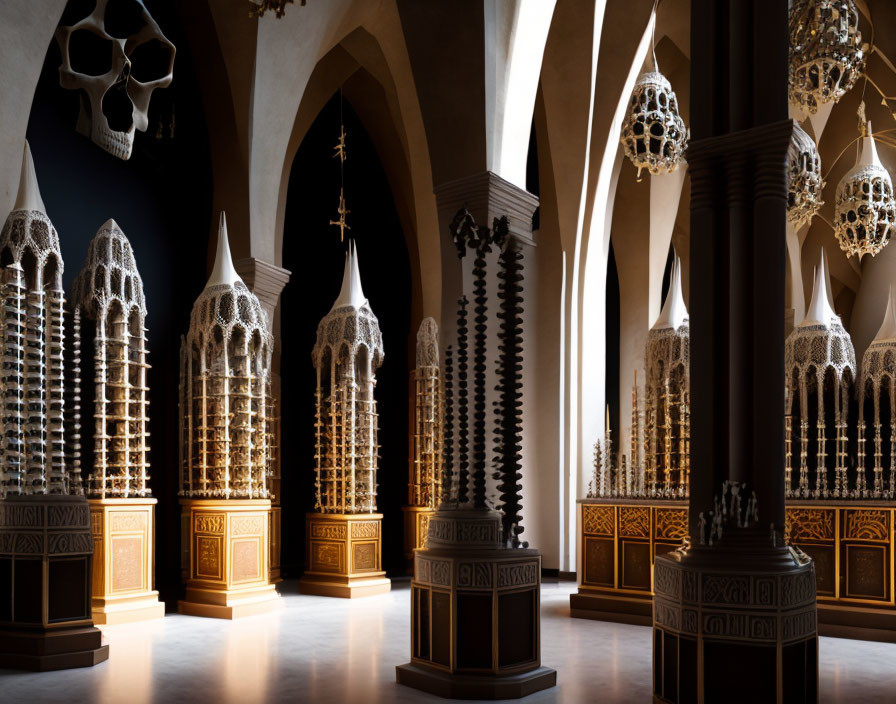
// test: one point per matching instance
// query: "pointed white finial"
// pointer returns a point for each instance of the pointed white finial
(28, 197)
(674, 312)
(110, 224)
(821, 308)
(223, 271)
(868, 157)
(887, 330)
(351, 293)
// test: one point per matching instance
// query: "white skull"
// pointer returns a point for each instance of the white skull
(116, 56)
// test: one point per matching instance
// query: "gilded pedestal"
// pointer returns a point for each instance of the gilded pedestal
(416, 525)
(475, 623)
(229, 562)
(123, 561)
(45, 567)
(343, 555)
(274, 531)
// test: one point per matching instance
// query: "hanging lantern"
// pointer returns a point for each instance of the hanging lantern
(826, 52)
(654, 135)
(865, 211)
(805, 181)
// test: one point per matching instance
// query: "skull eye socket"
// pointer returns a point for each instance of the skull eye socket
(124, 18)
(150, 61)
(89, 53)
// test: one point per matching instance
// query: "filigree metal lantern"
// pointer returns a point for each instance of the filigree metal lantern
(654, 135)
(826, 52)
(805, 181)
(865, 210)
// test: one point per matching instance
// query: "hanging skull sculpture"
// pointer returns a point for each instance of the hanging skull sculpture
(116, 56)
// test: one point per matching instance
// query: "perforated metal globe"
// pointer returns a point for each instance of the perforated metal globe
(653, 135)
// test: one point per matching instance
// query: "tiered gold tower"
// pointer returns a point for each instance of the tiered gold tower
(424, 486)
(344, 539)
(225, 446)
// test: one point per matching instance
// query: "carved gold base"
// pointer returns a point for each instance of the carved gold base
(343, 555)
(229, 561)
(416, 525)
(123, 559)
(851, 542)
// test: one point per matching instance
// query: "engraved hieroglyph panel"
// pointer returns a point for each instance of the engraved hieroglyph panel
(208, 557)
(368, 529)
(422, 529)
(598, 520)
(127, 563)
(671, 524)
(128, 522)
(330, 531)
(246, 565)
(96, 522)
(364, 556)
(634, 521)
(247, 525)
(326, 557)
(209, 523)
(519, 575)
(810, 524)
(867, 524)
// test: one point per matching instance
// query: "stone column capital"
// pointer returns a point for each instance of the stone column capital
(264, 280)
(487, 196)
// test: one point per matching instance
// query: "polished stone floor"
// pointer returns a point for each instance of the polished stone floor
(330, 650)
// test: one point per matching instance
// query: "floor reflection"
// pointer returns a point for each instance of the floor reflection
(316, 649)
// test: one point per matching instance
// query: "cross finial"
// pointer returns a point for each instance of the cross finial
(343, 211)
(340, 146)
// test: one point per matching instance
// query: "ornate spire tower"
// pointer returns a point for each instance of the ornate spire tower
(346, 355)
(109, 304)
(225, 457)
(45, 540)
(425, 480)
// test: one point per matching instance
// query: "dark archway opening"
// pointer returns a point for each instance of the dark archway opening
(315, 256)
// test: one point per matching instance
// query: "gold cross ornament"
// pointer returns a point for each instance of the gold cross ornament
(340, 223)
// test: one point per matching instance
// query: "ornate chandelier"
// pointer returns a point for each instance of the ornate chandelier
(806, 183)
(865, 211)
(653, 134)
(826, 52)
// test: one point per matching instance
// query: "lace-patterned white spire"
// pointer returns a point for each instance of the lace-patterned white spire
(346, 355)
(674, 313)
(820, 368)
(225, 388)
(32, 449)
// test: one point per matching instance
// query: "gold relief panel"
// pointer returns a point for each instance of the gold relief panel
(326, 557)
(96, 522)
(209, 523)
(128, 521)
(208, 557)
(867, 524)
(127, 563)
(365, 530)
(422, 529)
(810, 524)
(866, 572)
(364, 557)
(247, 525)
(634, 521)
(671, 524)
(598, 520)
(328, 531)
(245, 564)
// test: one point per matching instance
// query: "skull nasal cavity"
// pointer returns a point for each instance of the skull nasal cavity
(118, 108)
(90, 53)
(124, 18)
